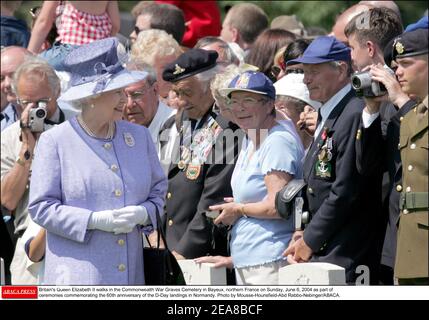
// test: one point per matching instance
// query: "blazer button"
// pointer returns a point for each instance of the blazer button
(410, 168)
(408, 189)
(114, 167)
(405, 211)
(401, 118)
(107, 146)
(121, 267)
(118, 192)
(413, 146)
(399, 188)
(169, 196)
(170, 222)
(121, 242)
(310, 191)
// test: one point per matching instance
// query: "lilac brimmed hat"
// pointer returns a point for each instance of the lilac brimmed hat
(97, 67)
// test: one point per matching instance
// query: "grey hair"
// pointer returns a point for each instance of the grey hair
(337, 64)
(37, 66)
(142, 66)
(298, 104)
(206, 77)
(226, 56)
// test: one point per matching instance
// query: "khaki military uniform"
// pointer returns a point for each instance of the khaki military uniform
(412, 251)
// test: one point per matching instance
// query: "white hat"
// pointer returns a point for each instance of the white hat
(293, 85)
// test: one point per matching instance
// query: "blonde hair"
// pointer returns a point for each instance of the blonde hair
(153, 44)
(278, 57)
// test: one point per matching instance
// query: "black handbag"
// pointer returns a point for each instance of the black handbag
(160, 266)
(290, 202)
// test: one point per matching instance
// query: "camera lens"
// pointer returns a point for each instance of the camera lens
(41, 113)
(356, 83)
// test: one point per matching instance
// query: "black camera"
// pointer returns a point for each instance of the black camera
(37, 117)
(364, 86)
(290, 202)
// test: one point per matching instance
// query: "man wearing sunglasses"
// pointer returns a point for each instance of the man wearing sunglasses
(161, 16)
(36, 87)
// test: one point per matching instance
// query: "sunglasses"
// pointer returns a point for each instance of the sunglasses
(34, 12)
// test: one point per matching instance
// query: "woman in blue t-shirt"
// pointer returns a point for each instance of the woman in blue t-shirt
(269, 159)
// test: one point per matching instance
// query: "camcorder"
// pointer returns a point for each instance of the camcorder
(365, 86)
(37, 117)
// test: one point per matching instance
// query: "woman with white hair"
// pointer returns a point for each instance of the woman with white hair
(156, 48)
(96, 181)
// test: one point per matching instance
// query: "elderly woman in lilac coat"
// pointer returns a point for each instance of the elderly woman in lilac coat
(96, 181)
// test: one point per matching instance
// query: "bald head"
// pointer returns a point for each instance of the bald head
(11, 58)
(344, 18)
(383, 4)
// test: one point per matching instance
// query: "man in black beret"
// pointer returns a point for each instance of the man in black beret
(410, 52)
(202, 162)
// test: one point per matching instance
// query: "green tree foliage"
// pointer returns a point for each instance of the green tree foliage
(311, 13)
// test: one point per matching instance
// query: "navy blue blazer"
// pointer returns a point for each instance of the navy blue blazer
(343, 205)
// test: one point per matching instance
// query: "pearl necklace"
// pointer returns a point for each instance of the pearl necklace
(110, 130)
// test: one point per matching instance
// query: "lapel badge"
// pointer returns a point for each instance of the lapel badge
(129, 139)
(193, 171)
(178, 69)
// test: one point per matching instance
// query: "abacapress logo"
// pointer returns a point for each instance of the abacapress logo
(19, 292)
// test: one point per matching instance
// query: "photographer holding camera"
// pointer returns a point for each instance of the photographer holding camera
(37, 88)
(386, 104)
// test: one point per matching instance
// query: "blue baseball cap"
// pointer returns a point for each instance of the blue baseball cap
(251, 81)
(423, 23)
(323, 49)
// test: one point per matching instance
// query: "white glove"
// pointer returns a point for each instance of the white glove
(125, 219)
(101, 220)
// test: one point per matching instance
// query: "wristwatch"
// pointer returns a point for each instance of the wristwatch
(27, 156)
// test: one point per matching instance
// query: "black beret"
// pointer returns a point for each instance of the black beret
(412, 43)
(190, 63)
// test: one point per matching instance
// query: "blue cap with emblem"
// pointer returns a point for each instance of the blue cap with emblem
(251, 81)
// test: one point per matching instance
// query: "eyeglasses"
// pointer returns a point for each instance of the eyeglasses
(26, 103)
(246, 102)
(137, 95)
(297, 70)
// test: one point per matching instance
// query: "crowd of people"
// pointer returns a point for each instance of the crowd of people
(206, 122)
